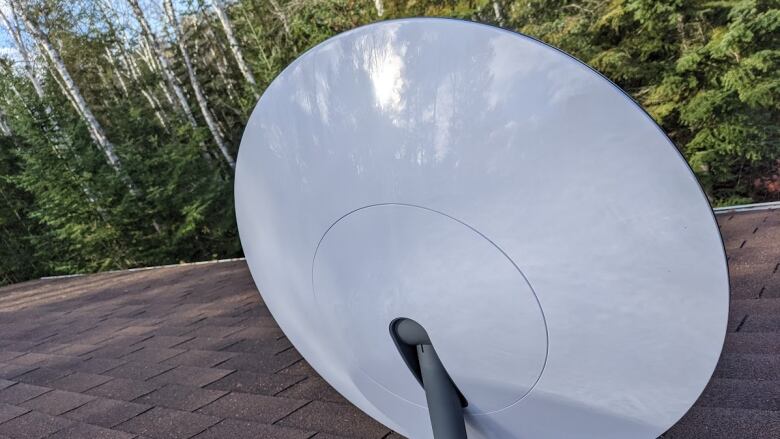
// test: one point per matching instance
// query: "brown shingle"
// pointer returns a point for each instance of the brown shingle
(249, 382)
(185, 398)
(261, 363)
(740, 393)
(726, 423)
(57, 402)
(749, 366)
(335, 418)
(162, 423)
(33, 425)
(124, 389)
(761, 323)
(213, 331)
(98, 365)
(30, 359)
(81, 431)
(237, 429)
(164, 341)
(260, 333)
(752, 343)
(199, 358)
(314, 388)
(152, 355)
(43, 376)
(76, 349)
(21, 392)
(8, 412)
(115, 351)
(79, 382)
(138, 371)
(260, 346)
(190, 376)
(208, 343)
(6, 356)
(258, 408)
(106, 412)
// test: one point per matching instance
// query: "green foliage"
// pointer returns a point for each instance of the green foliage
(706, 71)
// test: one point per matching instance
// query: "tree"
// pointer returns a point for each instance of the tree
(196, 87)
(234, 46)
(71, 90)
(165, 67)
(706, 71)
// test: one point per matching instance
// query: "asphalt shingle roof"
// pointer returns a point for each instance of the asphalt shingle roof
(192, 351)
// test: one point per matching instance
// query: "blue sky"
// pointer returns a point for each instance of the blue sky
(152, 8)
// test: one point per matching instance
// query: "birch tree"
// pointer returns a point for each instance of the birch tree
(227, 27)
(196, 87)
(9, 22)
(497, 13)
(123, 61)
(58, 140)
(164, 65)
(380, 7)
(71, 89)
(4, 128)
(221, 63)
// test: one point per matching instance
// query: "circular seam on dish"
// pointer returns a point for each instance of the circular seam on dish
(480, 234)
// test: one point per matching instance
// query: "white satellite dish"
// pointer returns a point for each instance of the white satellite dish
(448, 184)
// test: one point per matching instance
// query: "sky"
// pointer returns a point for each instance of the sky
(152, 9)
(6, 45)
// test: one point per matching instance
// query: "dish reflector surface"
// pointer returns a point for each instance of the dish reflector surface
(523, 209)
(468, 295)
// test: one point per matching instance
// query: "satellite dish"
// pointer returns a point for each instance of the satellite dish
(436, 184)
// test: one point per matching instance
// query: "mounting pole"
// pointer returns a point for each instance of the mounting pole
(445, 402)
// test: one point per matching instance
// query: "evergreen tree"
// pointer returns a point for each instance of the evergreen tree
(707, 71)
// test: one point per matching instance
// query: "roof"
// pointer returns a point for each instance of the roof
(192, 351)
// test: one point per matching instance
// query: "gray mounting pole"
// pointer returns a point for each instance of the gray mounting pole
(444, 403)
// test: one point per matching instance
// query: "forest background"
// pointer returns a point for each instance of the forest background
(120, 120)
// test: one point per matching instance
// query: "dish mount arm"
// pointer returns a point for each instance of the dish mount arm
(445, 401)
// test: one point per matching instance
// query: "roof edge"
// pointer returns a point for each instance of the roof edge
(718, 211)
(747, 207)
(215, 261)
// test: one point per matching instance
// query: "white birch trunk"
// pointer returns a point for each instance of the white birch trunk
(111, 17)
(4, 128)
(199, 96)
(155, 106)
(221, 62)
(151, 59)
(497, 12)
(58, 141)
(95, 129)
(153, 67)
(108, 85)
(13, 30)
(380, 7)
(74, 94)
(20, 97)
(227, 26)
(132, 66)
(163, 61)
(152, 102)
(112, 61)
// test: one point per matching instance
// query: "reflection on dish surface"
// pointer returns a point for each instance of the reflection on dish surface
(555, 165)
